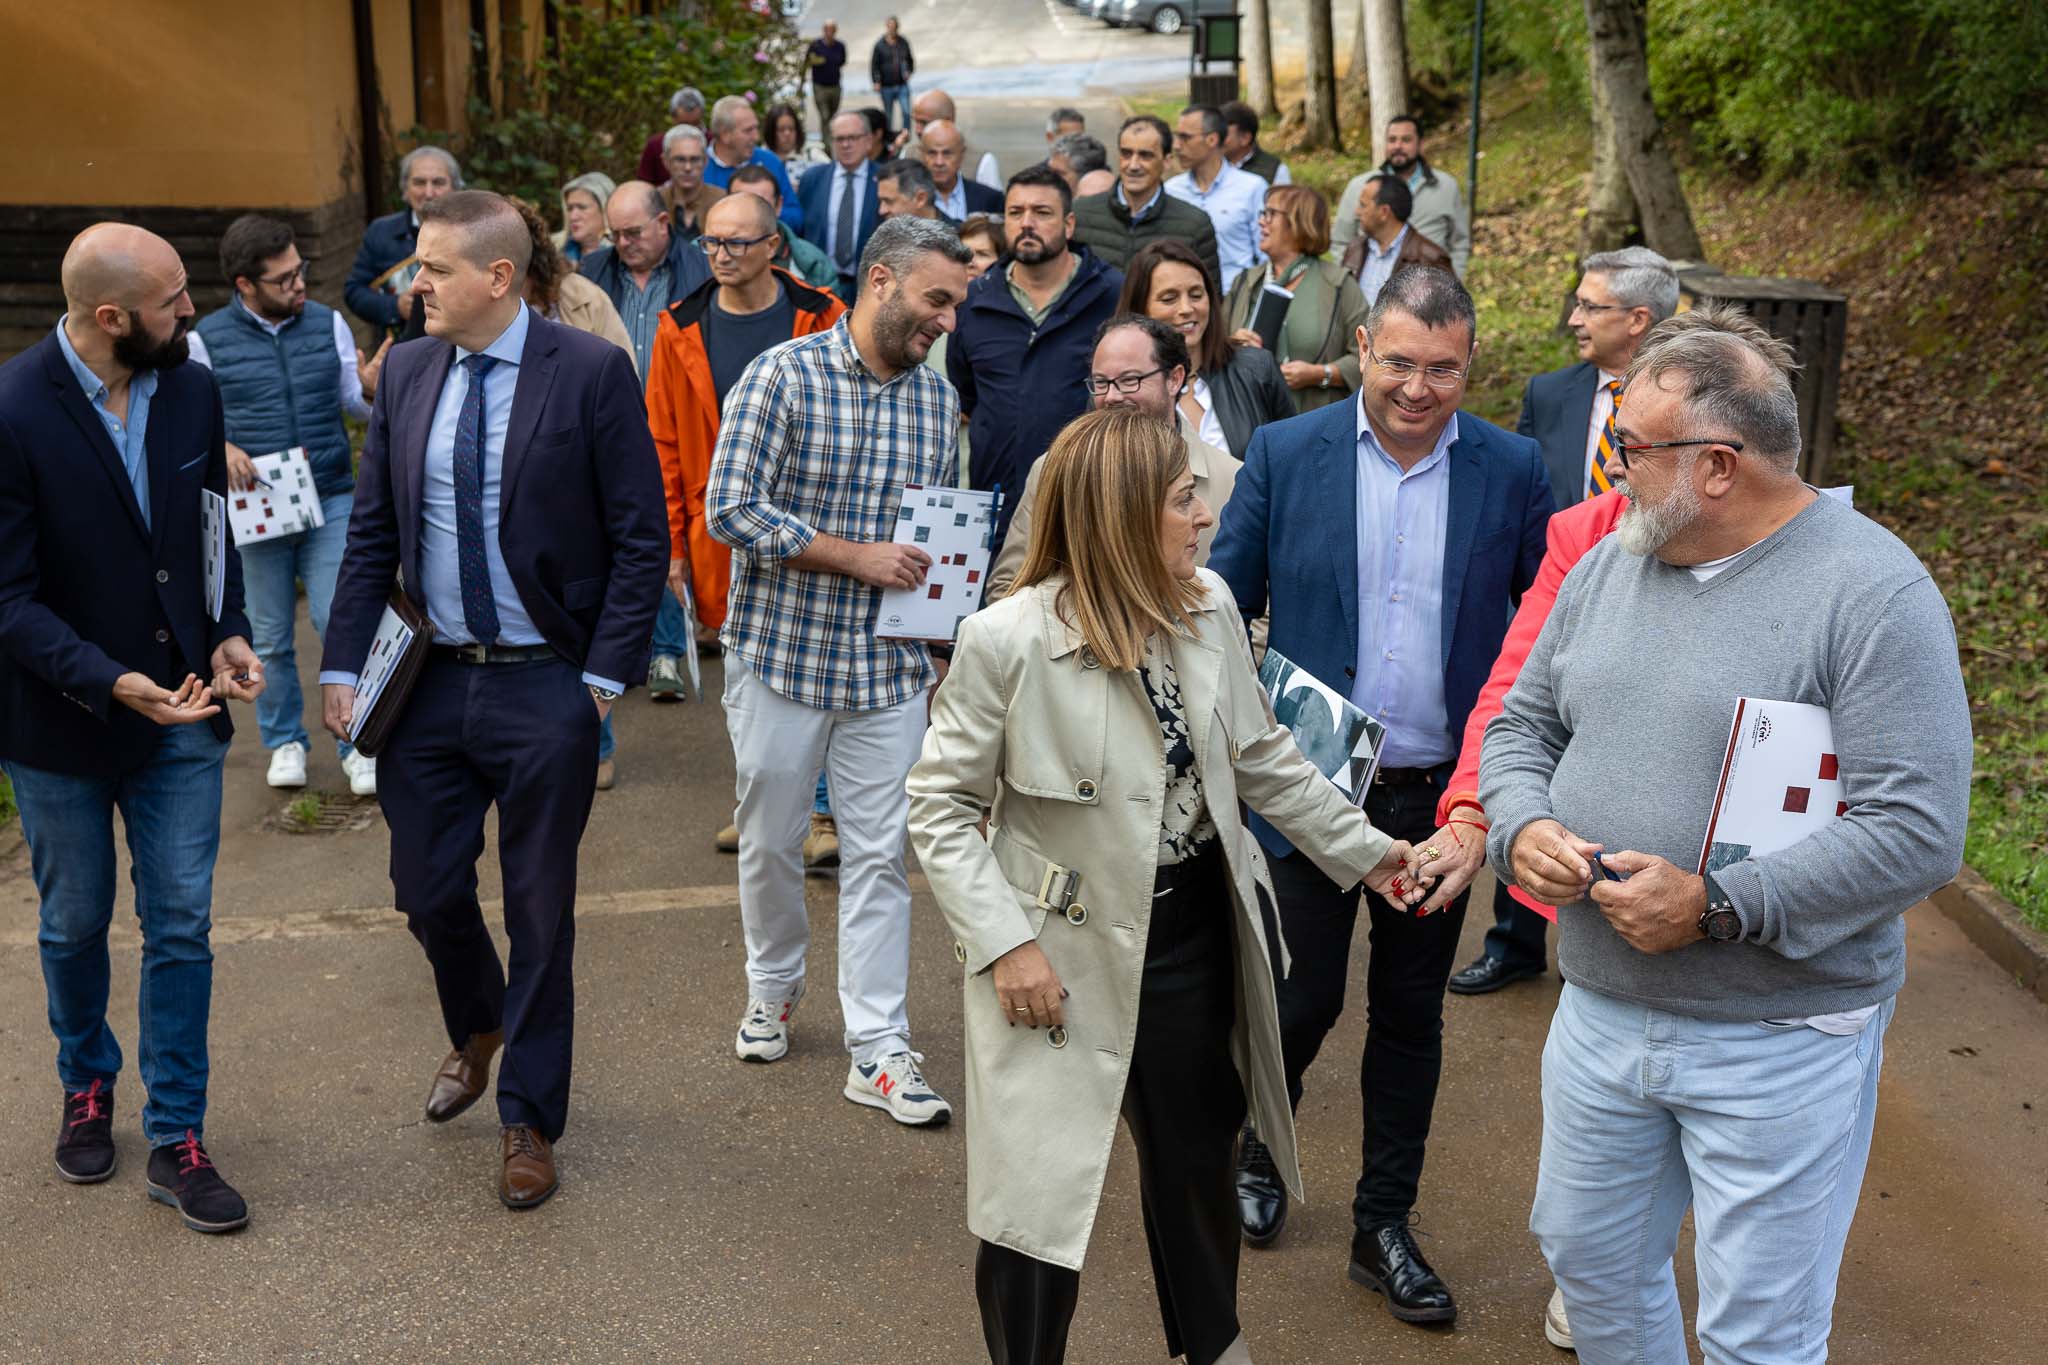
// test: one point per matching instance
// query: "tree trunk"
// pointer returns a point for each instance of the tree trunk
(1386, 40)
(1611, 217)
(1621, 64)
(1355, 73)
(1322, 79)
(1259, 69)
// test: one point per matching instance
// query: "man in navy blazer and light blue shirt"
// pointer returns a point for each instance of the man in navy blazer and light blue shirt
(823, 192)
(1388, 539)
(510, 484)
(1568, 412)
(112, 666)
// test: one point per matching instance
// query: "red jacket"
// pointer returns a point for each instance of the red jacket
(1572, 532)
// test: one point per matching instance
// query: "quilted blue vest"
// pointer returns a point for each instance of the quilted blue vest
(284, 390)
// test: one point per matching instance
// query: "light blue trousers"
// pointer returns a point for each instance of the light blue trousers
(1762, 1129)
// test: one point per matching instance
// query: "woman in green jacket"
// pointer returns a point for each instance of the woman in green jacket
(1318, 342)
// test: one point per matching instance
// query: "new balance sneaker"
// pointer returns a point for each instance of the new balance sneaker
(361, 771)
(764, 1031)
(665, 679)
(182, 1175)
(85, 1144)
(287, 765)
(894, 1083)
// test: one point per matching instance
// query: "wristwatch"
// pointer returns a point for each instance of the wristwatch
(602, 693)
(1326, 378)
(1719, 921)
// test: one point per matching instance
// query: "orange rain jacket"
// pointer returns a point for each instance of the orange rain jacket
(682, 411)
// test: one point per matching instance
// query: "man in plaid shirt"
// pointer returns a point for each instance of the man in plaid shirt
(819, 437)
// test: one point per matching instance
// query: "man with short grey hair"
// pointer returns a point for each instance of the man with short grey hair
(1721, 1031)
(1074, 155)
(905, 189)
(378, 287)
(685, 106)
(736, 142)
(685, 153)
(1571, 414)
(819, 438)
(1062, 121)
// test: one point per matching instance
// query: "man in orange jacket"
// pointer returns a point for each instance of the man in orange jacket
(702, 344)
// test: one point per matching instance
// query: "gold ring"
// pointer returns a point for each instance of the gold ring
(1430, 853)
(1023, 1009)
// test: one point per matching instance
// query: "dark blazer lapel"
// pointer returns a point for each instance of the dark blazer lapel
(529, 397)
(1573, 421)
(1468, 495)
(408, 454)
(162, 458)
(72, 399)
(1337, 486)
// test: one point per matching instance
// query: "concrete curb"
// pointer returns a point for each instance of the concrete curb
(1995, 925)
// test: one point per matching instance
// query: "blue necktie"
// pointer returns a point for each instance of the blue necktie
(479, 607)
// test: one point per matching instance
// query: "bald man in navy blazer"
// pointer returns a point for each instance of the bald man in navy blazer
(510, 484)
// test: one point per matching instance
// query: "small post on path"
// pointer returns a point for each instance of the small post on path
(1478, 79)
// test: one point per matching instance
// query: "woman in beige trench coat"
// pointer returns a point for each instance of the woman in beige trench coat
(1115, 925)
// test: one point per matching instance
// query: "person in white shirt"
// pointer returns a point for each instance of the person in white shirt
(1232, 198)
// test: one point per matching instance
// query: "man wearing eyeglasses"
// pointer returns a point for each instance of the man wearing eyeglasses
(1139, 362)
(288, 370)
(1571, 414)
(684, 154)
(840, 211)
(1433, 522)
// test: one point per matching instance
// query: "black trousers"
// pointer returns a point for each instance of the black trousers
(1411, 960)
(522, 736)
(1183, 1105)
(1516, 937)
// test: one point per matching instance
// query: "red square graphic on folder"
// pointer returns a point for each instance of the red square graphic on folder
(1828, 767)
(1795, 799)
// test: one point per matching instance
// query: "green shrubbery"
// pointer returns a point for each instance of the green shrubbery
(590, 105)
(1865, 90)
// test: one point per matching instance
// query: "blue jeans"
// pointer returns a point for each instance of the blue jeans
(171, 808)
(271, 572)
(672, 633)
(605, 743)
(821, 804)
(892, 96)
(1763, 1129)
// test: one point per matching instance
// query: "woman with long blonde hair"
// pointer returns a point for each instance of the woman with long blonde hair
(1116, 924)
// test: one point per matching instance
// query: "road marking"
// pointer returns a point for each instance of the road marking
(295, 925)
(1052, 12)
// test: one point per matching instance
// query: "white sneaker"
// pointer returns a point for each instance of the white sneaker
(894, 1083)
(764, 1031)
(1556, 1330)
(287, 765)
(361, 770)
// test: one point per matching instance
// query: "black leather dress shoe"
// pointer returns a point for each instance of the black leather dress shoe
(1386, 1260)
(1485, 974)
(1261, 1194)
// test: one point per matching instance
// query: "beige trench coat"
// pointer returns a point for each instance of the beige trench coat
(1067, 757)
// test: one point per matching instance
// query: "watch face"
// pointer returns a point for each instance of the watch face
(1723, 926)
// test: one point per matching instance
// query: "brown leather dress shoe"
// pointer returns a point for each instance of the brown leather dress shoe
(463, 1077)
(528, 1179)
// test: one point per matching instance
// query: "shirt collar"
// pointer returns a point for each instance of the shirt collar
(1392, 248)
(510, 345)
(1368, 440)
(265, 323)
(142, 381)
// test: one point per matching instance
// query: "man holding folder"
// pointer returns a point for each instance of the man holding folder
(510, 486)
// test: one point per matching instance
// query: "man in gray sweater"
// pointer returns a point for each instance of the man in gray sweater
(1719, 1038)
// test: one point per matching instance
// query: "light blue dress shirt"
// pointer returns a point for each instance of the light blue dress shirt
(1232, 201)
(1402, 521)
(853, 182)
(1379, 264)
(127, 436)
(440, 572)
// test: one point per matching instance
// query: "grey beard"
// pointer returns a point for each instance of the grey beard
(1644, 530)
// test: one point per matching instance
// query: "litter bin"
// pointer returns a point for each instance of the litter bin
(1814, 320)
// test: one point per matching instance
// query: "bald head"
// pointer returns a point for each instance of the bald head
(740, 215)
(119, 264)
(932, 105)
(944, 151)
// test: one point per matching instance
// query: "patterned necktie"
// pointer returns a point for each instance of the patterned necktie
(1599, 481)
(479, 607)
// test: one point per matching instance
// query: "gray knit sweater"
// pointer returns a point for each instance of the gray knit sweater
(1618, 725)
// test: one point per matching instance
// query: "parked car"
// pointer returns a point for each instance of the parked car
(1161, 16)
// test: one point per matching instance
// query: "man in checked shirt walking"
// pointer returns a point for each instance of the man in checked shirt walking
(819, 437)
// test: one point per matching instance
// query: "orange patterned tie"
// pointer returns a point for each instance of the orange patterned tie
(1599, 481)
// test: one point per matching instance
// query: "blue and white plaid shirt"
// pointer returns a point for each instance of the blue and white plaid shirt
(811, 441)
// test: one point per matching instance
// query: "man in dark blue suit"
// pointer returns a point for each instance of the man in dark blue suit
(839, 200)
(376, 287)
(111, 664)
(1388, 539)
(1570, 414)
(510, 485)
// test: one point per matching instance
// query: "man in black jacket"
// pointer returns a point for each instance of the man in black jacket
(1020, 353)
(114, 659)
(1118, 224)
(889, 68)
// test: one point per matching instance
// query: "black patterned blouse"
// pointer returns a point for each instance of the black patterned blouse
(1185, 828)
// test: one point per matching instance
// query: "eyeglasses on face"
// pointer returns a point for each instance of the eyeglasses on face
(285, 281)
(732, 246)
(1629, 449)
(1098, 384)
(685, 160)
(1579, 305)
(1441, 377)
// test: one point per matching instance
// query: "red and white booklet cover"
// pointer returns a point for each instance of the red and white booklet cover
(1779, 782)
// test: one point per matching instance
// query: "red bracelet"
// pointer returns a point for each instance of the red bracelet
(1474, 824)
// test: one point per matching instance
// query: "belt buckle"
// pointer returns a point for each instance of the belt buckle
(1057, 887)
(473, 654)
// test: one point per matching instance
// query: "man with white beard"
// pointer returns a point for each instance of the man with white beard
(1718, 1042)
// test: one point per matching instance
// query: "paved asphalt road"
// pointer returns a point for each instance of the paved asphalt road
(716, 1212)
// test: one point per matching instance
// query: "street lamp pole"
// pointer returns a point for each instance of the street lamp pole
(1478, 77)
